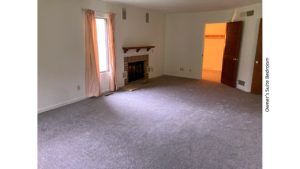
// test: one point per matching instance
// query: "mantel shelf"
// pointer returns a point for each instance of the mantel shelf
(137, 48)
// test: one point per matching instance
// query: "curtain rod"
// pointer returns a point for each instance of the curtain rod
(85, 9)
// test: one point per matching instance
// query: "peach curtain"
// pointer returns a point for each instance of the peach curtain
(92, 73)
(111, 52)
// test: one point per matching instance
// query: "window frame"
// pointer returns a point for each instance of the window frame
(106, 42)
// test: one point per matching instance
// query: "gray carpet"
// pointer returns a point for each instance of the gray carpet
(170, 123)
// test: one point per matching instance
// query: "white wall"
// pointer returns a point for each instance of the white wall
(61, 60)
(185, 36)
(60, 53)
(249, 42)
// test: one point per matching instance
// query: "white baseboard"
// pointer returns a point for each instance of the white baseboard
(41, 110)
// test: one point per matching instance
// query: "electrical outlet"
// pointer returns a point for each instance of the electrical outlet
(78, 87)
(181, 69)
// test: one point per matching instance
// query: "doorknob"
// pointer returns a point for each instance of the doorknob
(256, 62)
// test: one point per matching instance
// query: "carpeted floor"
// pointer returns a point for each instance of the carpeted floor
(170, 123)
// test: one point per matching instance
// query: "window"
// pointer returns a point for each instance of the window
(102, 44)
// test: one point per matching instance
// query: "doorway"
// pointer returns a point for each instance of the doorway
(221, 54)
(214, 44)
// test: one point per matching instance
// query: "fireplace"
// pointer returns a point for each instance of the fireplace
(135, 71)
(135, 67)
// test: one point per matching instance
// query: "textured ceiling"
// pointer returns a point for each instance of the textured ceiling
(170, 6)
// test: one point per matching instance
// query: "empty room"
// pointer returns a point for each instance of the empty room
(150, 84)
